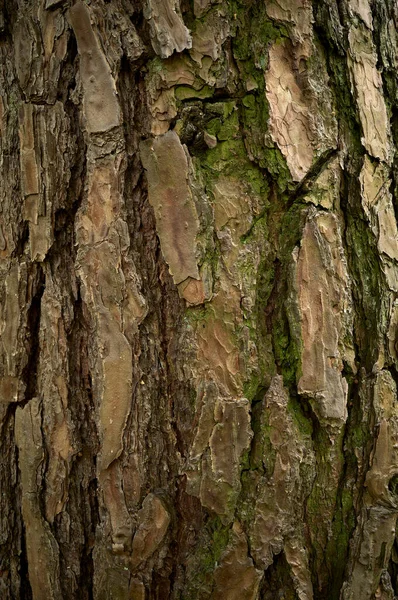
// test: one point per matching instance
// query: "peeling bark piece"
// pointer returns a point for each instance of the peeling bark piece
(384, 462)
(378, 206)
(42, 548)
(294, 11)
(137, 590)
(30, 178)
(232, 207)
(209, 36)
(218, 350)
(45, 170)
(11, 319)
(40, 238)
(177, 222)
(297, 558)
(8, 389)
(368, 85)
(117, 389)
(168, 32)
(223, 434)
(362, 9)
(378, 530)
(153, 522)
(325, 190)
(289, 113)
(192, 291)
(112, 483)
(100, 104)
(236, 577)
(323, 288)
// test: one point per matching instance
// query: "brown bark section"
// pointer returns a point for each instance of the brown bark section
(198, 287)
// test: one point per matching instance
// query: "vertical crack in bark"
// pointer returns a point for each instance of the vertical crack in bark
(29, 374)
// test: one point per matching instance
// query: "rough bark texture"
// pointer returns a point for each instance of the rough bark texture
(198, 299)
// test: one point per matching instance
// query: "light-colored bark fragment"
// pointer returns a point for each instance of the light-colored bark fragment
(11, 319)
(393, 332)
(177, 222)
(302, 115)
(209, 36)
(379, 210)
(13, 316)
(40, 237)
(160, 85)
(29, 171)
(111, 480)
(117, 388)
(42, 548)
(361, 8)
(153, 522)
(218, 350)
(231, 206)
(236, 578)
(296, 12)
(324, 299)
(223, 434)
(297, 558)
(289, 113)
(137, 590)
(368, 86)
(168, 32)
(325, 190)
(384, 461)
(193, 291)
(100, 104)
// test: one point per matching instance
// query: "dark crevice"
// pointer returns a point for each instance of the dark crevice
(82, 506)
(29, 373)
(305, 185)
(278, 581)
(22, 241)
(26, 590)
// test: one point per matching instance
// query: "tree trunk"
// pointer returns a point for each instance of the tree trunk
(198, 299)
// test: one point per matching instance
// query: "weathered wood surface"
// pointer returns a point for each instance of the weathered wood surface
(198, 299)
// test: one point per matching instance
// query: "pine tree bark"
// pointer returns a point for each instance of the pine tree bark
(198, 299)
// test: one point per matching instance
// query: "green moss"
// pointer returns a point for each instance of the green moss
(213, 126)
(301, 420)
(253, 31)
(195, 315)
(338, 548)
(185, 92)
(369, 290)
(287, 353)
(230, 128)
(252, 388)
(212, 544)
(230, 158)
(255, 117)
